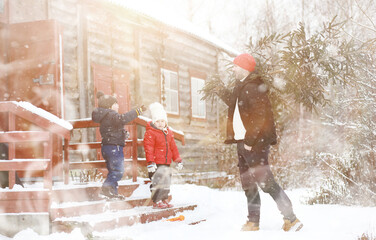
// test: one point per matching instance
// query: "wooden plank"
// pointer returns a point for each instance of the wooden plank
(134, 153)
(11, 149)
(85, 146)
(34, 118)
(165, 213)
(24, 136)
(42, 122)
(66, 162)
(98, 207)
(87, 165)
(25, 205)
(87, 193)
(24, 164)
(86, 123)
(119, 221)
(31, 31)
(99, 164)
(97, 145)
(24, 195)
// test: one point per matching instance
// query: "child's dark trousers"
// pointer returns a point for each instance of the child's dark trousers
(114, 156)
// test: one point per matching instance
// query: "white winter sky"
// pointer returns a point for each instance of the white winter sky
(230, 21)
(235, 21)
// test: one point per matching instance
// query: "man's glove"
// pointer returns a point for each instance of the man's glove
(140, 110)
(179, 166)
(152, 167)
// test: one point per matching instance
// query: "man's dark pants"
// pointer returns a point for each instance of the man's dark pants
(255, 171)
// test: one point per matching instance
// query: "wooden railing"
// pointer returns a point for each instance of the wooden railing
(134, 143)
(53, 128)
(49, 125)
(12, 165)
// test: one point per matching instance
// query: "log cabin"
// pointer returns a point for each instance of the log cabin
(55, 56)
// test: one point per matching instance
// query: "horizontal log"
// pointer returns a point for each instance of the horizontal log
(41, 121)
(24, 206)
(83, 123)
(24, 136)
(12, 195)
(100, 164)
(88, 123)
(24, 164)
(97, 145)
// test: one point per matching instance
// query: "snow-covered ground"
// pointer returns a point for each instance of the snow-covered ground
(226, 211)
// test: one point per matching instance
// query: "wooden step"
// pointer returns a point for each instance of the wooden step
(112, 220)
(95, 207)
(25, 201)
(80, 193)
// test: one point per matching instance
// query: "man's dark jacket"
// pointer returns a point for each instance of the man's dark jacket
(112, 125)
(255, 111)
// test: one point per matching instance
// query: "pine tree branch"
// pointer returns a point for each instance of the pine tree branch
(365, 14)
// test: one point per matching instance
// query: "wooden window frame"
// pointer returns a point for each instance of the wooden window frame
(171, 68)
(197, 75)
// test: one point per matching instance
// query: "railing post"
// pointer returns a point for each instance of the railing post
(66, 161)
(47, 153)
(11, 149)
(134, 152)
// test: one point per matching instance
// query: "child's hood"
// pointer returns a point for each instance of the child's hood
(151, 126)
(99, 113)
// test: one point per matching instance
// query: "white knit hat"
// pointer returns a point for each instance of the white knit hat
(157, 112)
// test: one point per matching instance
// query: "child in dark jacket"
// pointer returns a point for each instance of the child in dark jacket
(113, 139)
(160, 151)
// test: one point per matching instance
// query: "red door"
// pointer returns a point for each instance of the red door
(34, 64)
(113, 82)
(121, 90)
(33, 68)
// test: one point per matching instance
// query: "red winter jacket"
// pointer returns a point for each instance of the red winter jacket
(160, 147)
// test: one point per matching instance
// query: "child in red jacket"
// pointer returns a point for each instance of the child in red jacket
(160, 151)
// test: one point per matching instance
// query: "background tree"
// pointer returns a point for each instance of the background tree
(302, 70)
(322, 84)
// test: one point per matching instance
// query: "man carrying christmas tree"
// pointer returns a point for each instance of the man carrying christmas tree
(250, 124)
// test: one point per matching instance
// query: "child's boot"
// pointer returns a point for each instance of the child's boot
(168, 204)
(160, 205)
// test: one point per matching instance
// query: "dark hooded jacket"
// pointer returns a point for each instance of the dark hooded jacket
(255, 112)
(112, 125)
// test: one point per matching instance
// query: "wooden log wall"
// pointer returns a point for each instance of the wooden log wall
(96, 32)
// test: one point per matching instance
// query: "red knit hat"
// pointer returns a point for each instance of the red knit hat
(245, 61)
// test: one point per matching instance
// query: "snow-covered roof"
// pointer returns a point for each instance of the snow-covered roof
(175, 22)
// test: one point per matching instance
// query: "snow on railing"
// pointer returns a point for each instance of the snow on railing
(43, 113)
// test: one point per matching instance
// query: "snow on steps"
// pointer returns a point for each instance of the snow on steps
(82, 207)
(87, 193)
(115, 219)
(92, 207)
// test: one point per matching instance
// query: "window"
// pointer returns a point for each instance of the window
(198, 105)
(2, 6)
(170, 91)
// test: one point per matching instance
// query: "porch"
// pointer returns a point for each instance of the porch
(51, 199)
